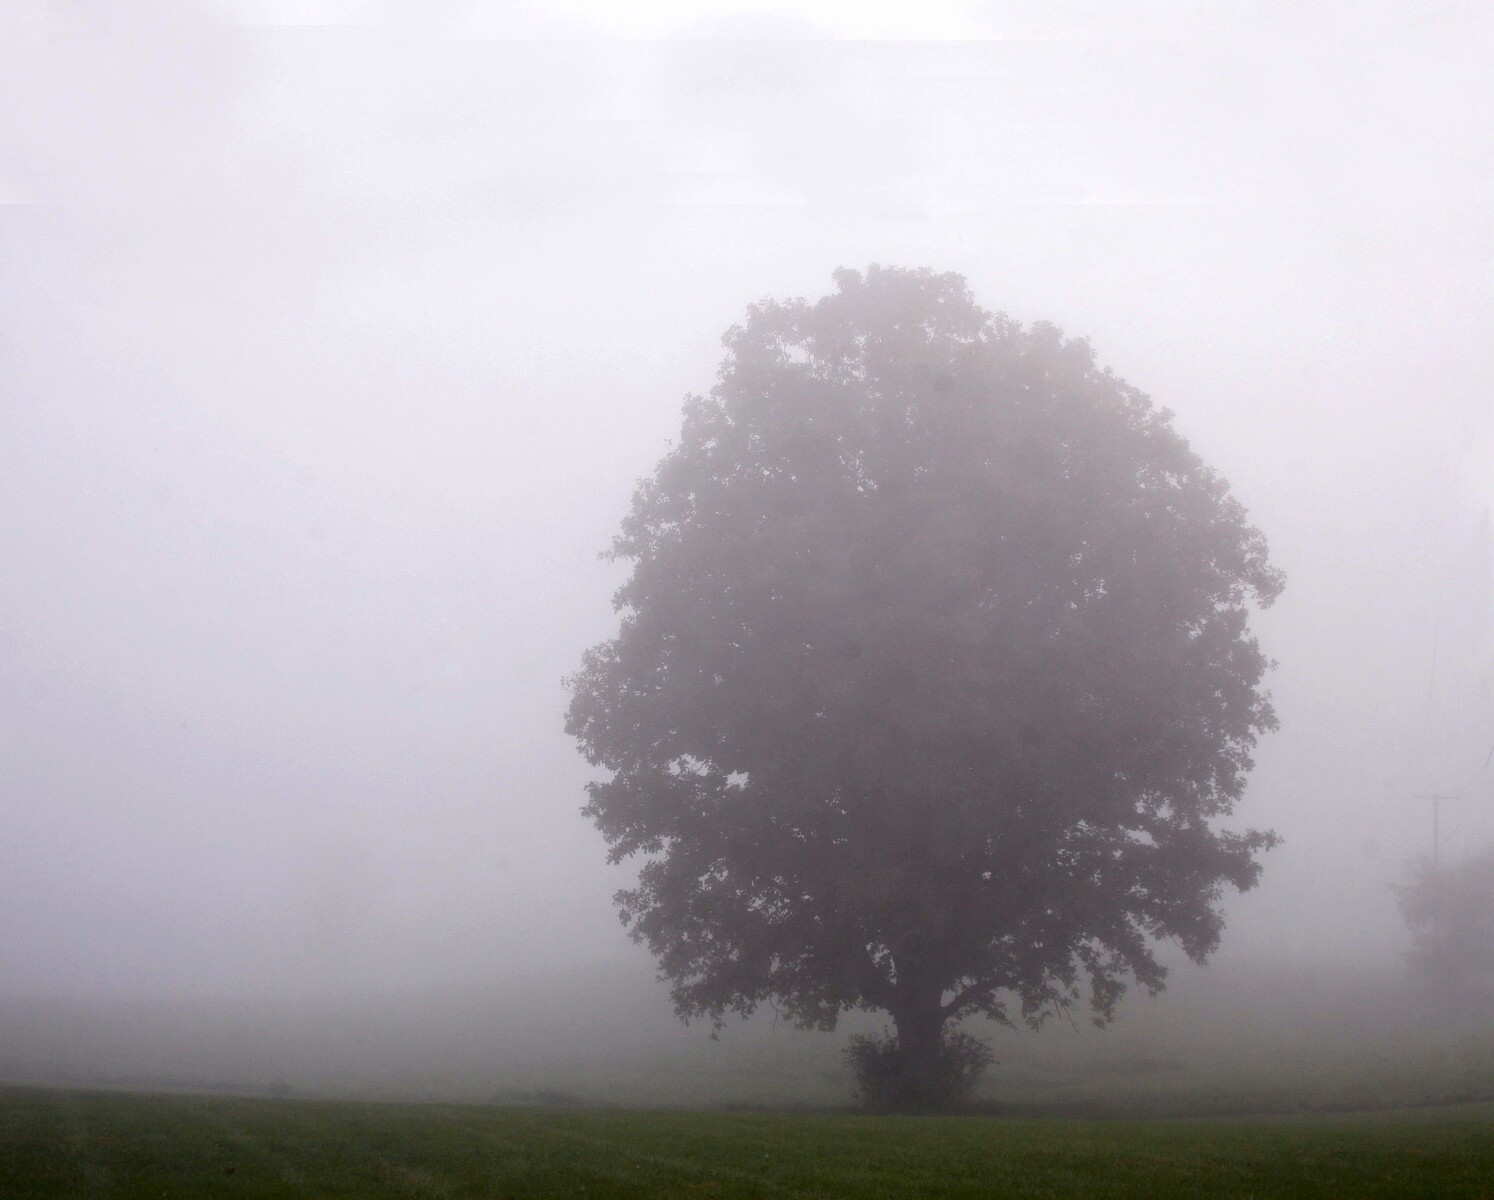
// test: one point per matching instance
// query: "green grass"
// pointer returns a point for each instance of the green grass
(93, 1144)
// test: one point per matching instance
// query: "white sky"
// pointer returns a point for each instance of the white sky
(334, 339)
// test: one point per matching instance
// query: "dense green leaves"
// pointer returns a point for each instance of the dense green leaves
(934, 674)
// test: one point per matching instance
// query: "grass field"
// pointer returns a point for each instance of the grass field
(95, 1144)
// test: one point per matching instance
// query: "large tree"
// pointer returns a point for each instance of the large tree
(934, 678)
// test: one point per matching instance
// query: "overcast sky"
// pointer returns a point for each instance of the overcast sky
(333, 340)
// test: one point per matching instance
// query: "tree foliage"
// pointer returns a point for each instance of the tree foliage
(1450, 912)
(934, 676)
(877, 1069)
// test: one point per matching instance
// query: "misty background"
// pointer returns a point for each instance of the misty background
(334, 340)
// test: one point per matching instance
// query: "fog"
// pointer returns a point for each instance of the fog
(333, 341)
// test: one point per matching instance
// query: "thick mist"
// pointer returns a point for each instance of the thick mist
(333, 341)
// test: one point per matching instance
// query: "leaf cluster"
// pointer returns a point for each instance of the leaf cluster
(877, 1066)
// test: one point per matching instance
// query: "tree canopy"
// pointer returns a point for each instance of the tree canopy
(1450, 912)
(934, 678)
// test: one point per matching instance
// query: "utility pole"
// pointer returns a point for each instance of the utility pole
(1437, 798)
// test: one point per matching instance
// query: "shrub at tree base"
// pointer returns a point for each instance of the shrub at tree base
(881, 1072)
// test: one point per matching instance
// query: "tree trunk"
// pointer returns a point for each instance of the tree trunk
(920, 1084)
